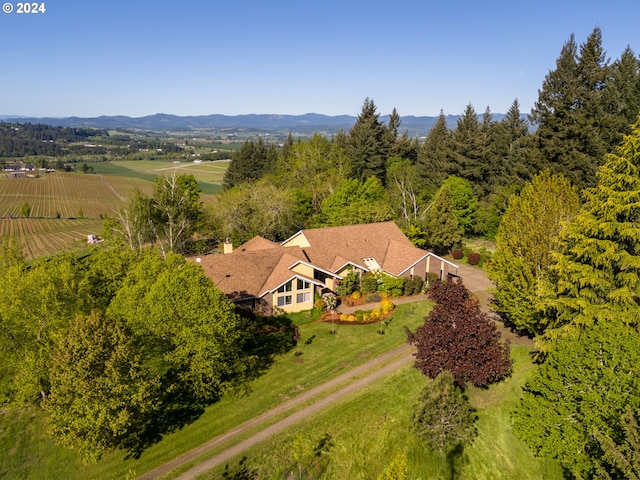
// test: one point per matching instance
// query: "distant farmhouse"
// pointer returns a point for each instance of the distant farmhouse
(261, 274)
(18, 169)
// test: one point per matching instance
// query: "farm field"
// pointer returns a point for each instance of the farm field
(209, 174)
(64, 195)
(46, 236)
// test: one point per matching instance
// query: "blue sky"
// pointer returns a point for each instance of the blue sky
(198, 57)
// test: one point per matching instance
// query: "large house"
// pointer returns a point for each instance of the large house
(261, 274)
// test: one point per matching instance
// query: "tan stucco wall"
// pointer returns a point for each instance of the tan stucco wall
(294, 307)
(303, 269)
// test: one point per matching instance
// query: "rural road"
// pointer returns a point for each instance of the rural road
(474, 279)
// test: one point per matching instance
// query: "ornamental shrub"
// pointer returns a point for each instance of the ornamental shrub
(356, 295)
(386, 306)
(373, 298)
(369, 283)
(349, 284)
(320, 304)
(457, 253)
(330, 300)
(473, 258)
(351, 318)
(375, 313)
(343, 317)
(394, 286)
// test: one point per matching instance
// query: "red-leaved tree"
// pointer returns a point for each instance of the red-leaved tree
(457, 336)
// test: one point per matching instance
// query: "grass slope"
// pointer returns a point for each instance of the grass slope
(324, 356)
(370, 430)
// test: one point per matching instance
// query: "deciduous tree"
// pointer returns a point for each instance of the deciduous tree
(527, 239)
(457, 336)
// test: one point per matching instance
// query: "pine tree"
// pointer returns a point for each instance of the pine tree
(597, 274)
(367, 144)
(467, 149)
(577, 111)
(249, 163)
(431, 166)
(443, 416)
(574, 406)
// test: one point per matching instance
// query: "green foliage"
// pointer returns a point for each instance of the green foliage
(441, 223)
(99, 396)
(392, 285)
(315, 166)
(433, 156)
(457, 336)
(465, 203)
(597, 274)
(418, 236)
(443, 416)
(520, 266)
(25, 210)
(398, 469)
(34, 313)
(356, 202)
(573, 408)
(578, 110)
(193, 338)
(367, 144)
(403, 189)
(369, 283)
(261, 208)
(349, 283)
(249, 163)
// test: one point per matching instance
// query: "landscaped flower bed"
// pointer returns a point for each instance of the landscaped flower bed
(363, 317)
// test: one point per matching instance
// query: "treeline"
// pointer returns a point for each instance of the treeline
(464, 172)
(19, 140)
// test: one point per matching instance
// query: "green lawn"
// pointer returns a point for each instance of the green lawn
(324, 356)
(370, 429)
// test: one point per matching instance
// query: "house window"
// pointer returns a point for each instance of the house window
(286, 287)
(302, 285)
(284, 300)
(303, 297)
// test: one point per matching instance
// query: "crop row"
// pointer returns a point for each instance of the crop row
(59, 195)
(42, 237)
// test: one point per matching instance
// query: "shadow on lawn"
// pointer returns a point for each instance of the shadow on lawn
(272, 336)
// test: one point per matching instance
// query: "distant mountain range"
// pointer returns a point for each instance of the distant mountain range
(302, 124)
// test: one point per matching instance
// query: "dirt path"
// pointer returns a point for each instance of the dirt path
(381, 365)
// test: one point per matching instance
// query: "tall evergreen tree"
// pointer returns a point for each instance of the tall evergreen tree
(432, 164)
(511, 148)
(367, 144)
(468, 152)
(626, 78)
(249, 163)
(597, 274)
(577, 111)
(574, 406)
